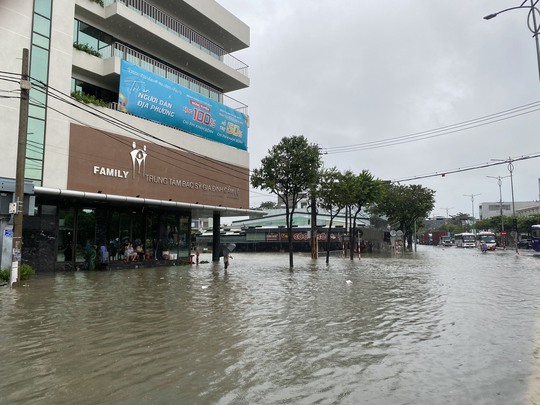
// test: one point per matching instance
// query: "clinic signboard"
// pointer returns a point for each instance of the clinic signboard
(155, 98)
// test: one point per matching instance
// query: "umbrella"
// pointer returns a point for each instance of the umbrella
(226, 249)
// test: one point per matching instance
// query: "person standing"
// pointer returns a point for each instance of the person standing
(226, 257)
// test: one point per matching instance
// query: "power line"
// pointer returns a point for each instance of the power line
(202, 161)
(437, 132)
(465, 169)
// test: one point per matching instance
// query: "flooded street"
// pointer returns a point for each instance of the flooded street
(441, 326)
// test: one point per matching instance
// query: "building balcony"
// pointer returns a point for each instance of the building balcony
(152, 30)
(106, 71)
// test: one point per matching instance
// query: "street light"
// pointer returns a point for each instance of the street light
(472, 203)
(533, 28)
(499, 182)
(447, 209)
(514, 220)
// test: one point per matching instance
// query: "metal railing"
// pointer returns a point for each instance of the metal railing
(124, 52)
(175, 26)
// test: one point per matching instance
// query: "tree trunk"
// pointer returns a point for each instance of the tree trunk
(328, 241)
(289, 216)
(352, 238)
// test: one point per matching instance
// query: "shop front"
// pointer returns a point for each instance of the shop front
(122, 191)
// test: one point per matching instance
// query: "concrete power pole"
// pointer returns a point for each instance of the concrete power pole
(314, 236)
(19, 176)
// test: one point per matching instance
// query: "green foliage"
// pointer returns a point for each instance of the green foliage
(333, 192)
(267, 205)
(495, 224)
(88, 99)
(86, 48)
(165, 245)
(100, 2)
(26, 271)
(405, 206)
(332, 195)
(290, 168)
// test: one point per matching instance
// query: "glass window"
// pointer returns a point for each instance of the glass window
(88, 35)
(152, 234)
(42, 25)
(39, 65)
(37, 97)
(36, 111)
(185, 237)
(43, 7)
(86, 231)
(40, 40)
(65, 235)
(33, 171)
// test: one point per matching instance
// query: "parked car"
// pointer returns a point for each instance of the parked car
(525, 244)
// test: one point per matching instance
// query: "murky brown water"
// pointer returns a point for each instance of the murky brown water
(443, 326)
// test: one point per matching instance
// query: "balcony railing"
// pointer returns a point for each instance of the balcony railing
(124, 52)
(175, 26)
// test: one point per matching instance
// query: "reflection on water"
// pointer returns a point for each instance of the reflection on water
(444, 325)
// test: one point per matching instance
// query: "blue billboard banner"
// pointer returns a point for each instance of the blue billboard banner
(153, 97)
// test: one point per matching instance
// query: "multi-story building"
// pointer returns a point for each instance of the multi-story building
(130, 133)
(493, 209)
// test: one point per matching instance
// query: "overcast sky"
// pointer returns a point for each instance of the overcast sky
(345, 73)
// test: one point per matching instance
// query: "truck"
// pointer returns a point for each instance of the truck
(432, 238)
(447, 241)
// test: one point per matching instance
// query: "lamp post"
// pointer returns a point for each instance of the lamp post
(514, 220)
(532, 27)
(499, 182)
(447, 209)
(472, 203)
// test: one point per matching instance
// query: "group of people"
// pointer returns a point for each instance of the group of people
(130, 254)
(127, 253)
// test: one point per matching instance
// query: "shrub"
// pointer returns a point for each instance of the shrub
(86, 48)
(26, 271)
(88, 99)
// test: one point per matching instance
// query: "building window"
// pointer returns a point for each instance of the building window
(39, 71)
(91, 90)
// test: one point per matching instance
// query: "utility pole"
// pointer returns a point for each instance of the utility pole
(19, 176)
(472, 203)
(446, 209)
(503, 233)
(314, 236)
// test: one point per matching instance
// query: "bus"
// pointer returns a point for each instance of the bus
(465, 240)
(535, 237)
(488, 238)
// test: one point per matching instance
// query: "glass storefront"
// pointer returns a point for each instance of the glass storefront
(160, 236)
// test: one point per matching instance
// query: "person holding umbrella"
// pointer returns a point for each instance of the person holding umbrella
(226, 250)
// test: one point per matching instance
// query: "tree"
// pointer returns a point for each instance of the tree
(332, 196)
(291, 168)
(405, 206)
(364, 190)
(267, 205)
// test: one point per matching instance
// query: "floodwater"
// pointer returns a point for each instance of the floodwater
(440, 326)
